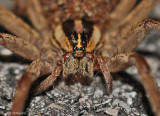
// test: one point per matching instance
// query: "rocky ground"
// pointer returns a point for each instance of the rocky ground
(127, 99)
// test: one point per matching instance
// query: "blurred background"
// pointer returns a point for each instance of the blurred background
(9, 4)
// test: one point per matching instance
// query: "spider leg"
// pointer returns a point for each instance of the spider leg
(135, 16)
(136, 35)
(104, 69)
(114, 34)
(19, 46)
(17, 26)
(34, 11)
(123, 61)
(121, 10)
(50, 79)
(37, 18)
(36, 69)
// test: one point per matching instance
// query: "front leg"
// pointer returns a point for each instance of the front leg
(104, 69)
(57, 68)
(36, 69)
(19, 46)
(123, 61)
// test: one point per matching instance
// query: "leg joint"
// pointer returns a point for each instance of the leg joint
(140, 62)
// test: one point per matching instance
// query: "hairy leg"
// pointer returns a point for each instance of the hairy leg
(36, 69)
(136, 35)
(17, 26)
(120, 30)
(35, 14)
(50, 79)
(39, 21)
(104, 69)
(140, 12)
(19, 46)
(123, 61)
(121, 10)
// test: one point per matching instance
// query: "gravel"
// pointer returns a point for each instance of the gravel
(127, 99)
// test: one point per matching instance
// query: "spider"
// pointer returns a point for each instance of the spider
(80, 43)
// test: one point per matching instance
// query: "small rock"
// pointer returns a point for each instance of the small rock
(99, 110)
(133, 94)
(129, 101)
(106, 102)
(37, 99)
(55, 106)
(56, 94)
(112, 112)
(16, 71)
(83, 99)
(88, 105)
(117, 90)
(81, 107)
(2, 107)
(98, 93)
(135, 112)
(129, 94)
(6, 52)
(122, 104)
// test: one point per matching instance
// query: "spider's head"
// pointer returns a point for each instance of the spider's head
(79, 43)
(79, 35)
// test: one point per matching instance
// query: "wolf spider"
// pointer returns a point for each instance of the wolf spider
(80, 46)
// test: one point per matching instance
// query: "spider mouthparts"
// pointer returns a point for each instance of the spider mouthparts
(78, 53)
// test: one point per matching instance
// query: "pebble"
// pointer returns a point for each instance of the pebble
(117, 90)
(5, 52)
(129, 101)
(83, 99)
(2, 107)
(98, 93)
(106, 102)
(99, 110)
(135, 112)
(17, 71)
(129, 94)
(55, 106)
(122, 104)
(112, 112)
(81, 107)
(88, 105)
(37, 99)
(56, 94)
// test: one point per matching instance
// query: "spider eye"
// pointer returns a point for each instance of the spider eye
(83, 39)
(84, 43)
(74, 39)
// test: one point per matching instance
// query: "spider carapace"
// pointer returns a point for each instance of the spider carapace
(79, 47)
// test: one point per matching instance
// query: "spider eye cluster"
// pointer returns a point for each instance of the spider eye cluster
(84, 39)
(81, 39)
(74, 39)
